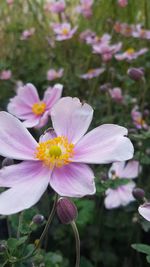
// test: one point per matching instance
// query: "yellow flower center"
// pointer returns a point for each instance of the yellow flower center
(65, 31)
(55, 152)
(39, 108)
(130, 51)
(140, 121)
(91, 71)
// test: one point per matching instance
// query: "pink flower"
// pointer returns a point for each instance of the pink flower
(85, 8)
(144, 211)
(140, 32)
(10, 2)
(122, 3)
(138, 120)
(60, 158)
(53, 74)
(106, 50)
(55, 6)
(27, 106)
(5, 75)
(92, 73)
(88, 36)
(116, 94)
(26, 34)
(63, 31)
(130, 54)
(122, 195)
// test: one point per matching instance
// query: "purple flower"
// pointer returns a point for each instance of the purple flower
(26, 34)
(130, 54)
(85, 8)
(27, 106)
(116, 94)
(144, 211)
(5, 75)
(122, 195)
(53, 74)
(61, 156)
(92, 73)
(63, 31)
(55, 6)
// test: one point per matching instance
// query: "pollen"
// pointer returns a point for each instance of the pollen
(130, 51)
(55, 152)
(65, 31)
(39, 108)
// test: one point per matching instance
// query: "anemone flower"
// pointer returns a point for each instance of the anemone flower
(60, 157)
(63, 31)
(122, 195)
(27, 106)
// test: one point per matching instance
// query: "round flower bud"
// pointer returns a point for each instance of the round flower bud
(135, 74)
(66, 210)
(138, 193)
(38, 219)
(7, 162)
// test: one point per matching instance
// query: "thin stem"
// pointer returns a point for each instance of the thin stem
(77, 239)
(50, 218)
(19, 224)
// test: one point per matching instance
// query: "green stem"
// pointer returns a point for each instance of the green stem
(19, 224)
(77, 239)
(50, 218)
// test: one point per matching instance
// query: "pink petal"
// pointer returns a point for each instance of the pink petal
(144, 211)
(24, 195)
(104, 144)
(73, 180)
(12, 175)
(48, 134)
(52, 94)
(21, 104)
(32, 122)
(15, 140)
(125, 192)
(126, 170)
(112, 199)
(70, 118)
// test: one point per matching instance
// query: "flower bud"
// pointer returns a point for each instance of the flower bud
(38, 219)
(135, 74)
(66, 210)
(138, 193)
(7, 162)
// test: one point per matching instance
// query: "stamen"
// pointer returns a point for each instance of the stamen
(55, 152)
(39, 108)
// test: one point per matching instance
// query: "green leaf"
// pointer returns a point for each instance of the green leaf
(148, 259)
(141, 248)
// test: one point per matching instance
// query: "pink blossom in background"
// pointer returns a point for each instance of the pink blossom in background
(122, 3)
(61, 156)
(85, 8)
(26, 34)
(130, 54)
(92, 73)
(27, 106)
(5, 75)
(53, 74)
(63, 31)
(55, 6)
(88, 36)
(140, 32)
(138, 120)
(10, 2)
(116, 94)
(106, 50)
(122, 195)
(136, 31)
